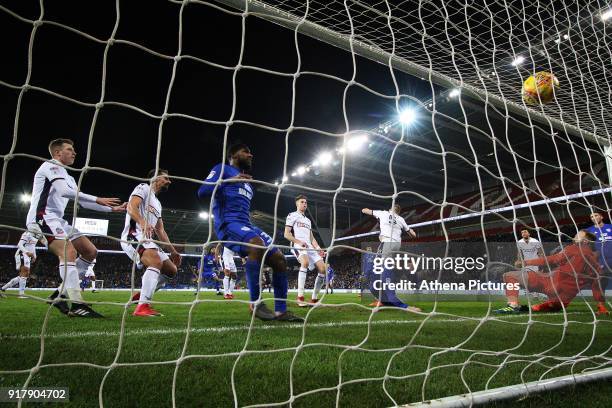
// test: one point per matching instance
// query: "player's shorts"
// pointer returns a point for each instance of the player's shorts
(388, 248)
(311, 253)
(135, 251)
(227, 260)
(209, 275)
(21, 259)
(90, 274)
(48, 229)
(238, 232)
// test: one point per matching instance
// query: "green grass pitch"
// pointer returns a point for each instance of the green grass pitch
(345, 354)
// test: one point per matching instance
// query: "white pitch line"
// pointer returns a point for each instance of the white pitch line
(222, 329)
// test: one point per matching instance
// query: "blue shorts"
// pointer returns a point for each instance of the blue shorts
(209, 275)
(243, 233)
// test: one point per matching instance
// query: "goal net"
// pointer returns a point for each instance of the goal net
(358, 105)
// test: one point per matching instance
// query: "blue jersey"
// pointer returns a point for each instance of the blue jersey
(232, 201)
(603, 245)
(209, 263)
(330, 273)
(231, 209)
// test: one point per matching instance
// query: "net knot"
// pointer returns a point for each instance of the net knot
(38, 23)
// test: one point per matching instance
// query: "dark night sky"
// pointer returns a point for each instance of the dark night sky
(125, 140)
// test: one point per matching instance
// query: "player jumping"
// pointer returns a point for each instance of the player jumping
(24, 258)
(143, 222)
(231, 205)
(52, 189)
(298, 232)
(391, 227)
(577, 267)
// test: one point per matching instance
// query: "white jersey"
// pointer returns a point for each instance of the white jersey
(27, 243)
(46, 200)
(150, 208)
(529, 250)
(391, 226)
(301, 226)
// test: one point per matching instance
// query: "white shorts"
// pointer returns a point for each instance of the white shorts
(388, 248)
(21, 259)
(134, 254)
(54, 228)
(227, 260)
(90, 274)
(313, 255)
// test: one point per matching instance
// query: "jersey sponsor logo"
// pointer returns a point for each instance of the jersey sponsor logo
(247, 193)
(302, 224)
(153, 210)
(211, 175)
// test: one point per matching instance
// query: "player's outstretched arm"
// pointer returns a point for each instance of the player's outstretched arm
(85, 200)
(367, 211)
(207, 189)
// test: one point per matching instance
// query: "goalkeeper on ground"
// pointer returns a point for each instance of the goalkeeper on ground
(577, 268)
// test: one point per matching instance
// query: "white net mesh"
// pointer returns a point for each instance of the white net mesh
(346, 352)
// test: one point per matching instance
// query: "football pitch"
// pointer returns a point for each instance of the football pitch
(211, 354)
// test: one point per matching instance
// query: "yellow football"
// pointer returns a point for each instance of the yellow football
(540, 88)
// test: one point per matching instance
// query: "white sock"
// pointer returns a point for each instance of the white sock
(11, 283)
(22, 284)
(232, 285)
(149, 284)
(71, 281)
(226, 290)
(301, 281)
(93, 284)
(319, 282)
(82, 265)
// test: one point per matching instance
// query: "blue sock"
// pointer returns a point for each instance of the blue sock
(280, 284)
(217, 285)
(252, 276)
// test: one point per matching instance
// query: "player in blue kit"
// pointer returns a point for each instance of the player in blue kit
(208, 274)
(603, 246)
(330, 279)
(231, 203)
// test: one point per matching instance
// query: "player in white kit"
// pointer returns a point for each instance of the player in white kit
(52, 189)
(527, 248)
(391, 227)
(298, 230)
(90, 276)
(24, 258)
(143, 222)
(225, 258)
